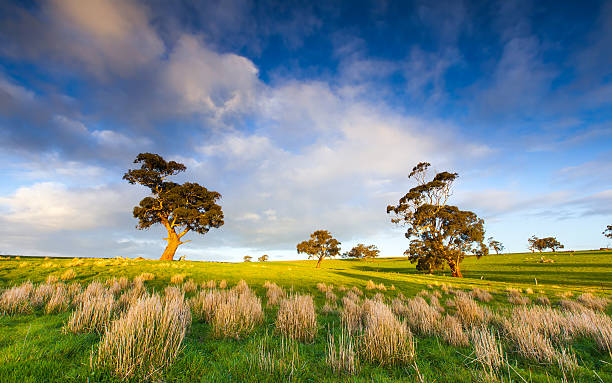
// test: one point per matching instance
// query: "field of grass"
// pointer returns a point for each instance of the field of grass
(33, 347)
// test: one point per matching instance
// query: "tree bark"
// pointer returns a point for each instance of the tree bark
(456, 271)
(173, 244)
(319, 263)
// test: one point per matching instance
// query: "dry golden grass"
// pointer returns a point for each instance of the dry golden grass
(322, 287)
(242, 286)
(296, 318)
(384, 339)
(145, 277)
(209, 284)
(279, 360)
(542, 301)
(59, 300)
(52, 278)
(177, 279)
(117, 284)
(488, 352)
(16, 300)
(593, 302)
(451, 330)
(204, 304)
(190, 286)
(274, 293)
(516, 298)
(342, 359)
(481, 295)
(356, 290)
(421, 317)
(94, 310)
(469, 312)
(370, 285)
(42, 294)
(236, 314)
(146, 339)
(342, 288)
(352, 313)
(223, 284)
(569, 305)
(597, 326)
(75, 262)
(331, 297)
(329, 308)
(68, 275)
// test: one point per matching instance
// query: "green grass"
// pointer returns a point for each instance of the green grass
(33, 348)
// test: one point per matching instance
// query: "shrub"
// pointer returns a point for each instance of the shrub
(93, 311)
(68, 275)
(384, 338)
(297, 318)
(146, 339)
(236, 314)
(452, 332)
(16, 300)
(343, 358)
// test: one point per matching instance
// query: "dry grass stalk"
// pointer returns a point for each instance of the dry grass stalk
(384, 338)
(569, 305)
(59, 301)
(209, 284)
(516, 298)
(16, 300)
(487, 350)
(451, 330)
(93, 311)
(242, 286)
(146, 277)
(342, 288)
(177, 279)
(542, 301)
(481, 295)
(75, 262)
(190, 286)
(322, 287)
(356, 290)
(204, 304)
(52, 278)
(421, 317)
(297, 318)
(223, 284)
(279, 360)
(74, 290)
(236, 314)
(42, 294)
(329, 308)
(352, 313)
(330, 296)
(274, 293)
(370, 285)
(68, 275)
(146, 339)
(381, 287)
(117, 284)
(469, 312)
(593, 302)
(343, 358)
(597, 326)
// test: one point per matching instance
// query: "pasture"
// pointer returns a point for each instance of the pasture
(488, 326)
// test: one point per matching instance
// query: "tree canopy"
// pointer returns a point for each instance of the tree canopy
(263, 258)
(180, 208)
(608, 232)
(247, 258)
(440, 234)
(541, 244)
(362, 251)
(495, 245)
(321, 245)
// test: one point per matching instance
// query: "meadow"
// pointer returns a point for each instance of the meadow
(511, 319)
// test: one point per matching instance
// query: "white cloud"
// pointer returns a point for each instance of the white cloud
(51, 206)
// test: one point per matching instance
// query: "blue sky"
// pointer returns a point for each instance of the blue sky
(304, 116)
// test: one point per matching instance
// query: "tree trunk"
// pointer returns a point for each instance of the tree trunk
(173, 244)
(319, 263)
(456, 271)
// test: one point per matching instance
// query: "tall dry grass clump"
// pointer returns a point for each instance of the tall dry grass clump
(242, 286)
(94, 310)
(342, 359)
(223, 284)
(469, 312)
(481, 295)
(281, 361)
(52, 279)
(542, 300)
(352, 313)
(370, 285)
(68, 275)
(59, 300)
(296, 318)
(211, 284)
(177, 279)
(385, 339)
(41, 295)
(516, 298)
(451, 330)
(204, 304)
(236, 314)
(331, 297)
(145, 277)
(190, 286)
(16, 300)
(421, 317)
(116, 285)
(488, 351)
(274, 293)
(597, 326)
(593, 302)
(146, 339)
(322, 287)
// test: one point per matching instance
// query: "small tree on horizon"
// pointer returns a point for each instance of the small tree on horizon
(247, 258)
(495, 245)
(321, 245)
(541, 244)
(263, 258)
(187, 207)
(439, 233)
(608, 232)
(362, 251)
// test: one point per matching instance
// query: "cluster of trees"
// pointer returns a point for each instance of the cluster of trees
(440, 234)
(541, 244)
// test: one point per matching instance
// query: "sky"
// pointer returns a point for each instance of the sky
(304, 116)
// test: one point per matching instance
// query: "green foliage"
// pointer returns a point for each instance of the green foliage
(186, 207)
(495, 245)
(439, 233)
(263, 258)
(362, 251)
(321, 245)
(247, 258)
(608, 232)
(541, 244)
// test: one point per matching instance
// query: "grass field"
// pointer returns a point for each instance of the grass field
(33, 347)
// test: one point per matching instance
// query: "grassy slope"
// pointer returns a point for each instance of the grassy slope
(32, 347)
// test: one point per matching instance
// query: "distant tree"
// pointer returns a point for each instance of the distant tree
(608, 232)
(321, 245)
(439, 233)
(179, 208)
(362, 251)
(247, 258)
(263, 258)
(495, 245)
(541, 244)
